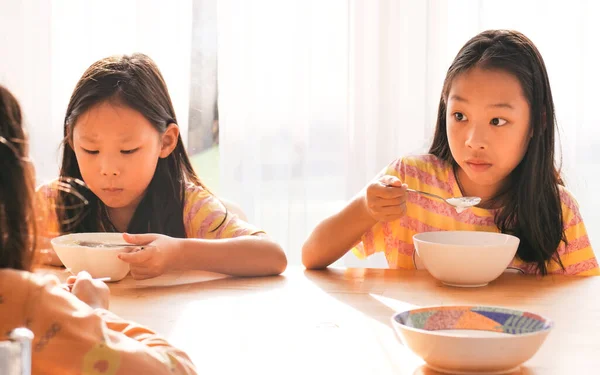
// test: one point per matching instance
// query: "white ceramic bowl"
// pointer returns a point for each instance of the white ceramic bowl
(465, 258)
(472, 339)
(98, 261)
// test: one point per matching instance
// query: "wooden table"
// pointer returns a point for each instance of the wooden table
(338, 321)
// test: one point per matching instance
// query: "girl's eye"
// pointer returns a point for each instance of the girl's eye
(128, 152)
(460, 116)
(498, 121)
(91, 152)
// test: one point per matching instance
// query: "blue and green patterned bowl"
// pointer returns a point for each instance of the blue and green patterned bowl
(472, 339)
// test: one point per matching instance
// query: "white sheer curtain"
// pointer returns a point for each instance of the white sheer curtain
(316, 97)
(46, 46)
(283, 99)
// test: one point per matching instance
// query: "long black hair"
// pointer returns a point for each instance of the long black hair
(17, 223)
(532, 211)
(136, 82)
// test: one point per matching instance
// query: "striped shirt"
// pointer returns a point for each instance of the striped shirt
(204, 216)
(430, 174)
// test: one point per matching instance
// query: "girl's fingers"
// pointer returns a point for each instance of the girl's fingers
(394, 202)
(389, 180)
(140, 239)
(389, 192)
(136, 257)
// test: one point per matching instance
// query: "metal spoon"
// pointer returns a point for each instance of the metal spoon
(103, 244)
(459, 203)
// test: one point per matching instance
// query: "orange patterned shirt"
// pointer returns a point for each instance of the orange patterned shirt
(72, 338)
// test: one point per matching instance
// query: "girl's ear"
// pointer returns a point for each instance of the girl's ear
(169, 140)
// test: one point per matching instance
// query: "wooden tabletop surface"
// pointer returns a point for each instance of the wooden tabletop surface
(337, 321)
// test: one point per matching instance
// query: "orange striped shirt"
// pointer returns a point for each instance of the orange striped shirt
(430, 174)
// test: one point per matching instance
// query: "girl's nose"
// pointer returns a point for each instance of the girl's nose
(477, 138)
(109, 168)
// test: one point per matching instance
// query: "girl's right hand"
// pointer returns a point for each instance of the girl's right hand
(385, 198)
(93, 292)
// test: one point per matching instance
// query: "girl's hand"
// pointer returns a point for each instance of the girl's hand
(385, 199)
(157, 253)
(93, 292)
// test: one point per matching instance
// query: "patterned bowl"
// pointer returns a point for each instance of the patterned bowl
(472, 339)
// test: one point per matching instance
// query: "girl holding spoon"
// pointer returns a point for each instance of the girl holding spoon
(494, 140)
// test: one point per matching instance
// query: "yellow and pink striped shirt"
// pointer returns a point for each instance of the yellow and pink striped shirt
(204, 216)
(430, 174)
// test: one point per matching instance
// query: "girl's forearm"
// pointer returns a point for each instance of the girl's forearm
(240, 256)
(333, 237)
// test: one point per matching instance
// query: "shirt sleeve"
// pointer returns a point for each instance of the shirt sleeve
(207, 218)
(576, 255)
(71, 335)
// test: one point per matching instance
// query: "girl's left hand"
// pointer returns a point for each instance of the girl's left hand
(93, 292)
(157, 253)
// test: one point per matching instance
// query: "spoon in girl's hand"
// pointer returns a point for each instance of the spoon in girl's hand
(102, 244)
(459, 203)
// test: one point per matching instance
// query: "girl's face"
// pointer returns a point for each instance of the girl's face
(117, 150)
(487, 122)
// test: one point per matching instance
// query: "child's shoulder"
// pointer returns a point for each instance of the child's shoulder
(425, 160)
(568, 201)
(423, 163)
(196, 195)
(195, 189)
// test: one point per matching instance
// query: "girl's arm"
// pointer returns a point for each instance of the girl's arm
(255, 255)
(337, 234)
(246, 255)
(217, 241)
(382, 200)
(72, 337)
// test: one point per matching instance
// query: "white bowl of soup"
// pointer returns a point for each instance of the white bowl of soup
(465, 258)
(96, 253)
(472, 339)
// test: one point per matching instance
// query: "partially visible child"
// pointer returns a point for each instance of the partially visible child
(74, 332)
(122, 140)
(494, 139)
